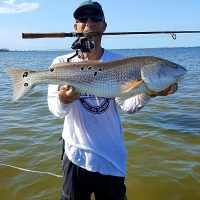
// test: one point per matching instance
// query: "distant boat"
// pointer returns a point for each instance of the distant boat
(4, 50)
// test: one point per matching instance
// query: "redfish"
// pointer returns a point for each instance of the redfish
(124, 77)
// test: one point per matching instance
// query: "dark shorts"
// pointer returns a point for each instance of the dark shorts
(79, 184)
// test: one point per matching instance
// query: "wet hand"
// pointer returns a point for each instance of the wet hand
(170, 90)
(67, 94)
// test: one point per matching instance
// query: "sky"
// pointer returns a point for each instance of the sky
(24, 16)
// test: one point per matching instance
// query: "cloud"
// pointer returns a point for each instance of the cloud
(11, 7)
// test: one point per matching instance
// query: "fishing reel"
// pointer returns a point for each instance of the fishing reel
(83, 44)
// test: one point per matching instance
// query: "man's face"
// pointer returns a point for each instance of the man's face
(90, 22)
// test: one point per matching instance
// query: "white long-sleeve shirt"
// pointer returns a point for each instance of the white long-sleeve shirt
(92, 129)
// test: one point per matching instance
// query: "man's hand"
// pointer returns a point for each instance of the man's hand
(170, 90)
(67, 94)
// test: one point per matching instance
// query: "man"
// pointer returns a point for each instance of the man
(94, 160)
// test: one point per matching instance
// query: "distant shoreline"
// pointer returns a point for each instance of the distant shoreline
(4, 49)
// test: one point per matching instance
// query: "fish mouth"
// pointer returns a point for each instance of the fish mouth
(184, 71)
(180, 78)
(181, 71)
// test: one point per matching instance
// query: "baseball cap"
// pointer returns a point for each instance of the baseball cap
(88, 5)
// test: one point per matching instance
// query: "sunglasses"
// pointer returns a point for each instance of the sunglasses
(94, 18)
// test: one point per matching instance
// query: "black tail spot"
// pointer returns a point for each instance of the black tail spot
(25, 74)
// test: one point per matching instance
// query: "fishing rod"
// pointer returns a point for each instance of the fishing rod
(90, 34)
(83, 42)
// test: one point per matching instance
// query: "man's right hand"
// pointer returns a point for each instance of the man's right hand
(67, 94)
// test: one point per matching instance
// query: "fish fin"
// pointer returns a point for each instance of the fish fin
(21, 82)
(65, 64)
(131, 85)
(59, 65)
(91, 62)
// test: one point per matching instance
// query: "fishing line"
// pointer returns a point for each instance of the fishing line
(32, 171)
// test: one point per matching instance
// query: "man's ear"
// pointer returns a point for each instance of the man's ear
(104, 25)
(75, 26)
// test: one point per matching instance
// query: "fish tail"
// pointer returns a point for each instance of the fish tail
(22, 82)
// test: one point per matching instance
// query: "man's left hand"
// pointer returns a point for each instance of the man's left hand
(170, 90)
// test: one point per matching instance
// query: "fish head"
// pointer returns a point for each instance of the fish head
(158, 74)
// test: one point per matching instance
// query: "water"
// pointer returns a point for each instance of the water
(163, 139)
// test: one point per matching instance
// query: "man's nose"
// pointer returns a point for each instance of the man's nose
(89, 20)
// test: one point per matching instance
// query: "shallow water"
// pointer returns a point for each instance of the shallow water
(163, 139)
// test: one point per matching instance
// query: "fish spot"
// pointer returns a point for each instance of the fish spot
(100, 69)
(52, 69)
(82, 68)
(25, 84)
(25, 74)
(89, 67)
(95, 73)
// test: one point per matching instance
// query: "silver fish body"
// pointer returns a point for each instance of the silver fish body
(124, 77)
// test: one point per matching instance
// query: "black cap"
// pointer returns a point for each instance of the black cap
(88, 5)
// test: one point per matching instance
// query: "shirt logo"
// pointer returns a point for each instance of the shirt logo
(96, 105)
